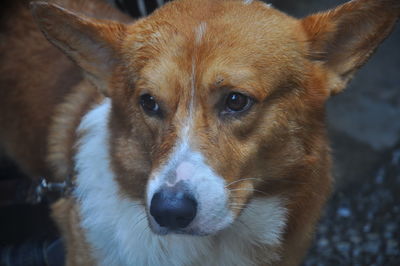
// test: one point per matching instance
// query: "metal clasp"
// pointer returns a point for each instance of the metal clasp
(44, 188)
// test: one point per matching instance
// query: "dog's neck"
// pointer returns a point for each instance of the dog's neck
(63, 130)
(116, 227)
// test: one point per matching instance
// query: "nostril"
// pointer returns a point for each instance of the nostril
(159, 220)
(156, 209)
(182, 222)
(173, 210)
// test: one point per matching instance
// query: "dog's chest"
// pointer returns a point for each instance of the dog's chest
(129, 241)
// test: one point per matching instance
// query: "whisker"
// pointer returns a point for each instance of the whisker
(240, 180)
(237, 208)
(136, 205)
(237, 204)
(141, 218)
(244, 224)
(250, 189)
(143, 231)
(270, 180)
(266, 180)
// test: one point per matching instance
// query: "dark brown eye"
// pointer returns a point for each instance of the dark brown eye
(149, 104)
(237, 102)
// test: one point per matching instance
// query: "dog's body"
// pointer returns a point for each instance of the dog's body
(220, 102)
(29, 63)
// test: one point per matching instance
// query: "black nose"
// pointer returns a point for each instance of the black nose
(173, 209)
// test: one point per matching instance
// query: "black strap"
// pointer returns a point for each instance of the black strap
(14, 191)
(34, 253)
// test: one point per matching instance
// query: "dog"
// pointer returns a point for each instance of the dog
(193, 136)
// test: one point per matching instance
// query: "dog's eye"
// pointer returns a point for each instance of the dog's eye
(237, 102)
(149, 104)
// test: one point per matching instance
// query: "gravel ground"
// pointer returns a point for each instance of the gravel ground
(361, 223)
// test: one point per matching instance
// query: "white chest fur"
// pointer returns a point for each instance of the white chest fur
(117, 227)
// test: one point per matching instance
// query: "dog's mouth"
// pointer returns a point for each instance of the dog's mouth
(194, 228)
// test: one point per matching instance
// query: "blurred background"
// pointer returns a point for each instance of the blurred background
(361, 223)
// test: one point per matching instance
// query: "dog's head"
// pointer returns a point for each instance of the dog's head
(217, 102)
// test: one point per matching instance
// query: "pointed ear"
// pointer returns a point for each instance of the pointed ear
(91, 43)
(344, 38)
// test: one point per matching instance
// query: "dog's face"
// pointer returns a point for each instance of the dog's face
(215, 103)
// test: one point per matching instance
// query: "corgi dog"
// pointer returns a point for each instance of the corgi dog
(193, 136)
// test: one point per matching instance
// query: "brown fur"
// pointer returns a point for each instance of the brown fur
(289, 66)
(27, 66)
(29, 63)
(66, 215)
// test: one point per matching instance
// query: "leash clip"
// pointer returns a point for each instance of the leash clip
(53, 189)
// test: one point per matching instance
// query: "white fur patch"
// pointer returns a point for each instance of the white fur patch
(247, 2)
(200, 32)
(117, 229)
(267, 5)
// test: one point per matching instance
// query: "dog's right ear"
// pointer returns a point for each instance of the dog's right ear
(91, 43)
(343, 39)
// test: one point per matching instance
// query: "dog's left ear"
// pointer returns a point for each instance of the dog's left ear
(93, 44)
(344, 38)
